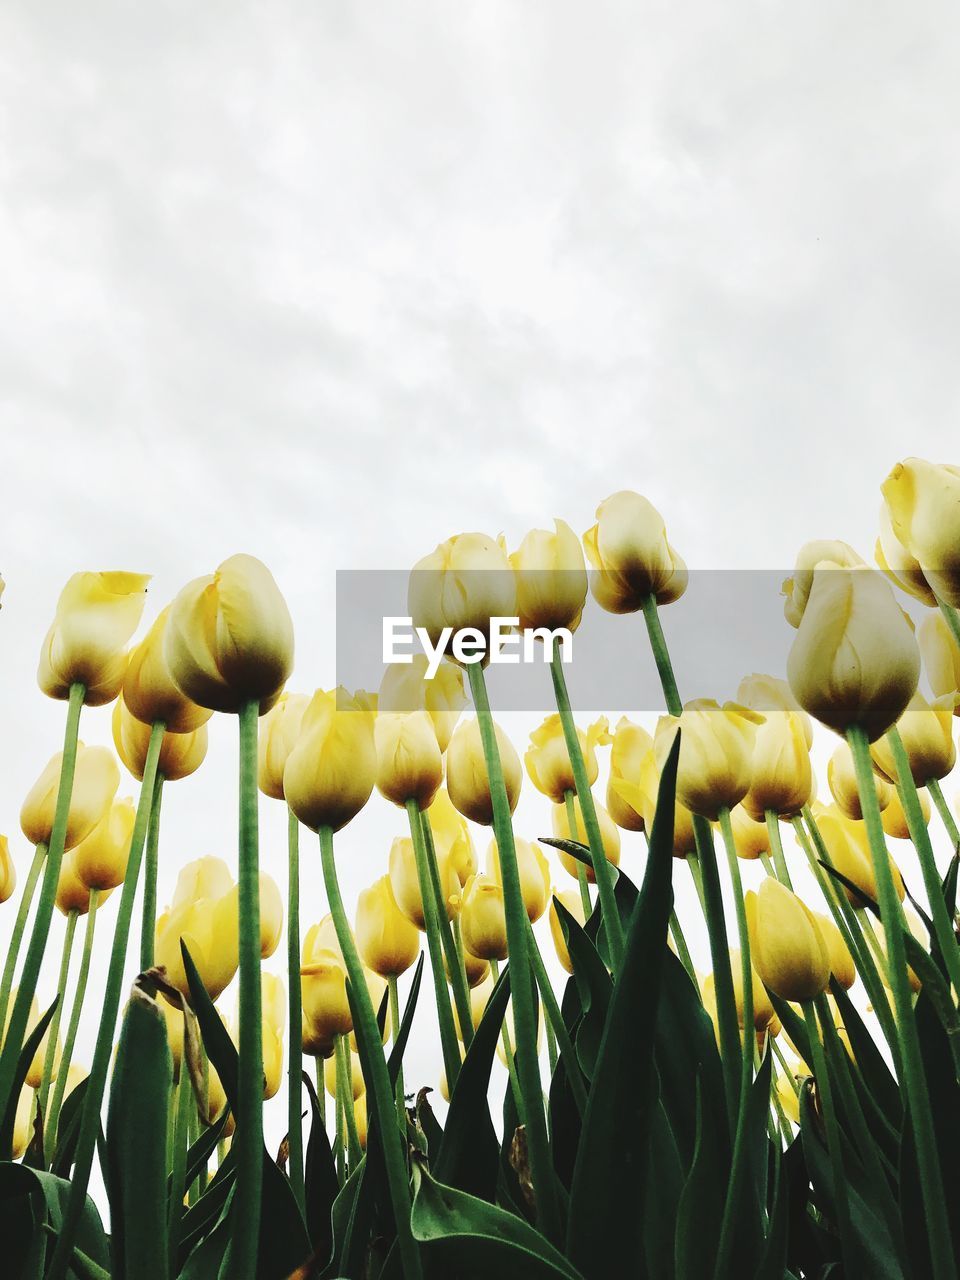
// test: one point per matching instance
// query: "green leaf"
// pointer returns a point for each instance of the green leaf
(221, 1050)
(700, 1212)
(594, 986)
(68, 1130)
(320, 1178)
(399, 1045)
(200, 1218)
(27, 1055)
(32, 1205)
(881, 1093)
(607, 1215)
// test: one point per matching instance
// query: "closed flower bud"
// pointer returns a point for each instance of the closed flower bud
(180, 753)
(763, 1011)
(781, 778)
(641, 796)
(8, 872)
(796, 590)
(467, 782)
(332, 768)
(278, 734)
(534, 875)
(476, 969)
(228, 638)
(941, 658)
(849, 851)
(548, 762)
(464, 583)
(406, 885)
(409, 763)
(323, 987)
(73, 895)
(100, 860)
(630, 746)
(923, 500)
(405, 688)
(452, 841)
(34, 1074)
(751, 838)
(609, 837)
(551, 578)
(483, 924)
(630, 555)
(926, 730)
(23, 1122)
(358, 1088)
(95, 783)
(787, 948)
(855, 660)
(570, 899)
(312, 1044)
(716, 748)
(842, 966)
(387, 940)
(842, 781)
(898, 564)
(895, 820)
(149, 690)
(97, 613)
(204, 914)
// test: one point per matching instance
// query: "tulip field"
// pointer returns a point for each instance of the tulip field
(597, 1105)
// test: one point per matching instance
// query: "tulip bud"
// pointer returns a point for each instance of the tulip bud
(781, 778)
(23, 1122)
(323, 987)
(313, 1045)
(894, 819)
(360, 1119)
(149, 690)
(796, 590)
(925, 728)
(278, 735)
(180, 753)
(763, 1011)
(849, 851)
(358, 1087)
(477, 970)
(467, 782)
(941, 658)
(842, 965)
(204, 914)
(229, 638)
(483, 923)
(787, 948)
(332, 768)
(751, 838)
(551, 578)
(8, 872)
(534, 875)
(451, 838)
(641, 796)
(716, 747)
(609, 837)
(842, 781)
(570, 899)
(387, 940)
(409, 764)
(101, 859)
(923, 500)
(898, 564)
(73, 894)
(548, 762)
(464, 583)
(97, 613)
(34, 1076)
(630, 746)
(95, 782)
(406, 884)
(630, 555)
(405, 688)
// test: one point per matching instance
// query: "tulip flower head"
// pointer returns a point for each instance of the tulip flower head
(926, 730)
(180, 753)
(277, 737)
(534, 870)
(630, 745)
(388, 942)
(100, 861)
(923, 500)
(95, 783)
(483, 924)
(941, 658)
(630, 556)
(452, 841)
(551, 578)
(548, 761)
(462, 585)
(409, 763)
(894, 819)
(751, 838)
(467, 782)
(849, 852)
(842, 781)
(149, 689)
(405, 688)
(716, 752)
(331, 769)
(204, 915)
(8, 872)
(786, 945)
(898, 564)
(405, 883)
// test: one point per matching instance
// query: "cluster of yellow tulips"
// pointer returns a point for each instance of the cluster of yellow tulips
(752, 1120)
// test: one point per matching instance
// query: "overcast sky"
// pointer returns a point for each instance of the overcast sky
(330, 282)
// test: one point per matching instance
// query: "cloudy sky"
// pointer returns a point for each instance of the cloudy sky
(327, 283)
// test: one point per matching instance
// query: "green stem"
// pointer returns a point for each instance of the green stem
(776, 848)
(395, 1032)
(946, 817)
(380, 1092)
(345, 1081)
(508, 1051)
(457, 972)
(148, 924)
(661, 656)
(825, 1090)
(61, 1082)
(951, 618)
(23, 911)
(918, 1099)
(181, 1131)
(294, 1014)
(53, 1031)
(602, 871)
(693, 863)
(582, 881)
(27, 989)
(522, 990)
(448, 1034)
(100, 1066)
(557, 1027)
(683, 951)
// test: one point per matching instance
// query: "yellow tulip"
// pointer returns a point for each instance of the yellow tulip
(895, 820)
(842, 781)
(95, 783)
(534, 875)
(854, 660)
(173, 1017)
(787, 948)
(467, 783)
(464, 583)
(387, 940)
(100, 860)
(763, 1011)
(279, 731)
(312, 1044)
(34, 1074)
(630, 555)
(483, 923)
(477, 970)
(323, 987)
(23, 1122)
(641, 796)
(548, 762)
(377, 991)
(409, 763)
(73, 894)
(180, 753)
(217, 1101)
(406, 885)
(149, 690)
(273, 998)
(204, 914)
(898, 564)
(716, 748)
(796, 590)
(923, 500)
(360, 1117)
(358, 1088)
(842, 965)
(781, 777)
(926, 730)
(570, 899)
(332, 768)
(767, 694)
(452, 841)
(551, 578)
(96, 615)
(941, 658)
(630, 745)
(229, 638)
(849, 851)
(609, 837)
(750, 837)
(789, 1100)
(8, 872)
(405, 688)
